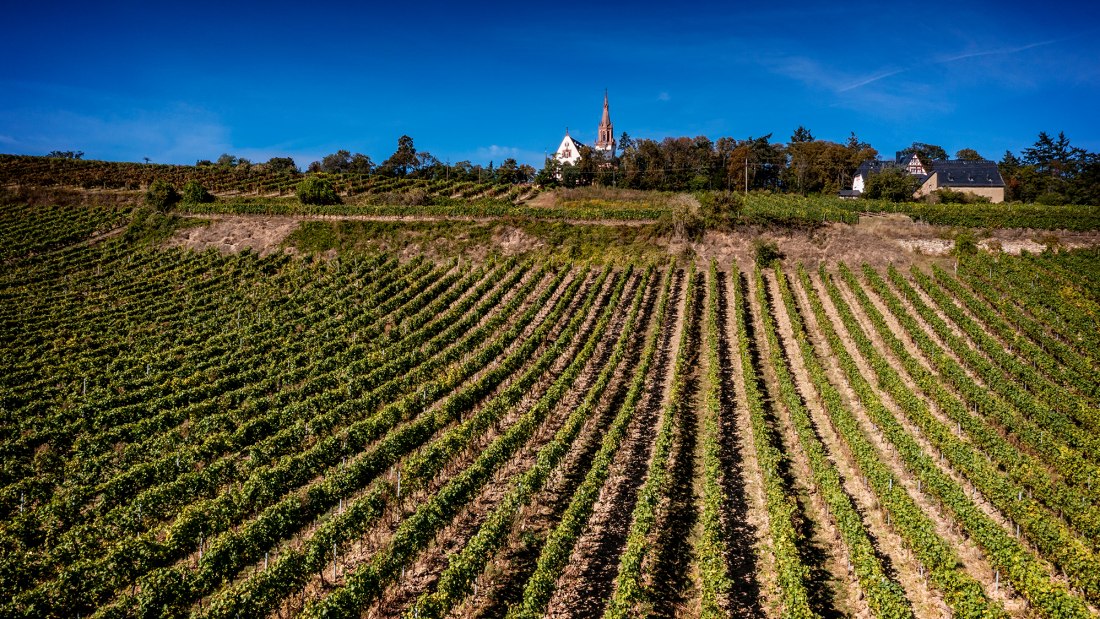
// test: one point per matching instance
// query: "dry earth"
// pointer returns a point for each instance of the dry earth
(877, 239)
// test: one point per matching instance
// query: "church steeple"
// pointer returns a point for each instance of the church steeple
(606, 140)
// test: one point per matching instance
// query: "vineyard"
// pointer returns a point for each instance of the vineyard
(233, 182)
(228, 435)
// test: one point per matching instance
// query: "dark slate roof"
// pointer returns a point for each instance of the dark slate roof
(959, 173)
(903, 159)
(870, 167)
(849, 193)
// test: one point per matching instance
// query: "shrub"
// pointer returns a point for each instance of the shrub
(1051, 198)
(721, 209)
(965, 244)
(948, 196)
(161, 195)
(317, 190)
(767, 252)
(195, 193)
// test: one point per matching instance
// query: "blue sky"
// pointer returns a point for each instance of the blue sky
(180, 82)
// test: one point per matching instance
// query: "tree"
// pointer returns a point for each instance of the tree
(818, 166)
(403, 160)
(760, 160)
(195, 193)
(508, 172)
(337, 162)
(281, 165)
(227, 160)
(1055, 157)
(926, 152)
(525, 174)
(550, 173)
(317, 190)
(428, 166)
(801, 135)
(161, 195)
(625, 142)
(968, 154)
(66, 154)
(892, 184)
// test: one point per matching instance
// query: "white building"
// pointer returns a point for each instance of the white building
(569, 151)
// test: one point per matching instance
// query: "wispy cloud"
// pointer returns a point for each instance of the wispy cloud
(999, 51)
(872, 79)
(664, 96)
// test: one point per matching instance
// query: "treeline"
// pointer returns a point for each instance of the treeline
(803, 165)
(1052, 171)
(405, 162)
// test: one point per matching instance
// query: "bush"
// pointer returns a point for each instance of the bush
(1051, 198)
(161, 195)
(767, 252)
(195, 193)
(721, 209)
(948, 196)
(317, 190)
(965, 244)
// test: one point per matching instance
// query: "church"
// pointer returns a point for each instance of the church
(570, 149)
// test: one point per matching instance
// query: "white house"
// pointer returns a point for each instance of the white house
(569, 151)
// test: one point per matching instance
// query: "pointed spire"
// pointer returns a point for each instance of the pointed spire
(606, 133)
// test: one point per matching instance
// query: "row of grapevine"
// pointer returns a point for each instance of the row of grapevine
(1005, 552)
(885, 596)
(1052, 539)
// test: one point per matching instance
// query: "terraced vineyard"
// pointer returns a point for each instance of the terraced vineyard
(207, 435)
(234, 182)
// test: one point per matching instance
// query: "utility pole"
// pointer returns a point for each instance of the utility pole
(746, 175)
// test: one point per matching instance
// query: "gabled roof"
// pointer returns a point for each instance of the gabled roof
(874, 166)
(959, 173)
(571, 140)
